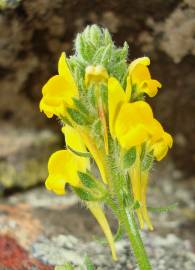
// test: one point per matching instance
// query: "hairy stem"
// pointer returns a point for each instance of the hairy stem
(135, 239)
(127, 218)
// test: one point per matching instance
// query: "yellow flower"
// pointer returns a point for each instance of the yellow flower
(132, 123)
(95, 74)
(63, 166)
(59, 91)
(139, 77)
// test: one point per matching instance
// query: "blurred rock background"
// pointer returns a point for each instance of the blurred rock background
(33, 33)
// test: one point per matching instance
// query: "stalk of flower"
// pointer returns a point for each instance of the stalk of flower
(100, 101)
(96, 75)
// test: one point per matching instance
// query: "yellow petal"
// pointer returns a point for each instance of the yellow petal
(64, 165)
(74, 140)
(64, 71)
(161, 147)
(57, 95)
(56, 184)
(160, 150)
(128, 90)
(134, 115)
(98, 213)
(139, 74)
(142, 60)
(59, 87)
(116, 97)
(155, 130)
(168, 139)
(134, 137)
(150, 87)
(52, 106)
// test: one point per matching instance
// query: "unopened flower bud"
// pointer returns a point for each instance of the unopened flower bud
(95, 74)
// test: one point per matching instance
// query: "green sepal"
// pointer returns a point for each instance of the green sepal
(77, 117)
(80, 154)
(106, 55)
(124, 51)
(98, 55)
(91, 96)
(85, 195)
(87, 180)
(80, 106)
(75, 62)
(147, 161)
(96, 128)
(107, 37)
(95, 35)
(80, 47)
(129, 158)
(163, 209)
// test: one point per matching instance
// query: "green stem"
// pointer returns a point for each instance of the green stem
(135, 239)
(128, 219)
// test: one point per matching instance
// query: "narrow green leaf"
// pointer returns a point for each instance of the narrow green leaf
(78, 118)
(124, 51)
(129, 158)
(80, 106)
(80, 154)
(95, 35)
(87, 180)
(106, 55)
(96, 128)
(143, 151)
(85, 195)
(98, 55)
(107, 37)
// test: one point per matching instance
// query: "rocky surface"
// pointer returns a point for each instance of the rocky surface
(33, 34)
(168, 252)
(23, 157)
(53, 229)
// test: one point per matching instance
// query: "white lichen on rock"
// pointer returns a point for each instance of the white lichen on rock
(176, 35)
